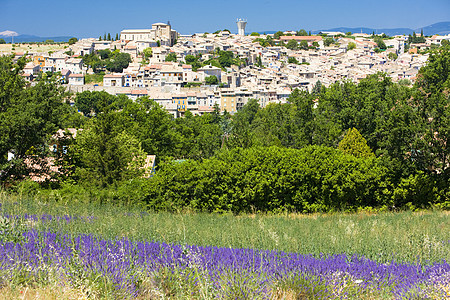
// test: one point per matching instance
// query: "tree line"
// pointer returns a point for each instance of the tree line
(342, 147)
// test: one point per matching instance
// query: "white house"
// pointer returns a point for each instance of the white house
(31, 68)
(75, 65)
(113, 80)
(76, 79)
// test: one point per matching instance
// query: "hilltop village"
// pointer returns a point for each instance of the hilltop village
(196, 72)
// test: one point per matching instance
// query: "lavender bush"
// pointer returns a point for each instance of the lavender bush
(122, 268)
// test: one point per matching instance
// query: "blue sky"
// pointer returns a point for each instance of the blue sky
(91, 18)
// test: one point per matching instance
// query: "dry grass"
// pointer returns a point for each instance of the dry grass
(47, 293)
(31, 48)
(281, 294)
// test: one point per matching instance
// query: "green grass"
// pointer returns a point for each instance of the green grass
(94, 78)
(403, 236)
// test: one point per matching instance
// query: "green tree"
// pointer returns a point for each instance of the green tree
(254, 34)
(348, 33)
(193, 61)
(149, 123)
(292, 44)
(404, 82)
(259, 62)
(328, 41)
(27, 116)
(351, 46)
(198, 136)
(355, 144)
(93, 61)
(117, 37)
(226, 59)
(392, 56)
(287, 125)
(241, 125)
(211, 80)
(2, 41)
(293, 60)
(118, 62)
(90, 103)
(278, 34)
(105, 54)
(148, 52)
(433, 103)
(302, 32)
(109, 36)
(171, 57)
(317, 88)
(73, 40)
(304, 45)
(380, 43)
(107, 156)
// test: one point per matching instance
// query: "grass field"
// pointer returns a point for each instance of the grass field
(421, 238)
(404, 236)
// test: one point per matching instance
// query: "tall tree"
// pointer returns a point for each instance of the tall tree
(91, 103)
(355, 144)
(118, 62)
(242, 121)
(302, 32)
(28, 116)
(292, 44)
(107, 154)
(278, 34)
(433, 103)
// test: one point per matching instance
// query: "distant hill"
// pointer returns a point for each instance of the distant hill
(25, 38)
(441, 28)
(388, 31)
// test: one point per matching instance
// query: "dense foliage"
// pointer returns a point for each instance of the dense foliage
(28, 116)
(314, 178)
(112, 61)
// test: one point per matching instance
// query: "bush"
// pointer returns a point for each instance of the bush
(351, 46)
(211, 80)
(311, 179)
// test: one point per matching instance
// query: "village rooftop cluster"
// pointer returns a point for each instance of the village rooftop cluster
(268, 73)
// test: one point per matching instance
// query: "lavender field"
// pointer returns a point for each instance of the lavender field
(61, 251)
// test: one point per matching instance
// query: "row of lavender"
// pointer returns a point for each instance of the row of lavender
(122, 268)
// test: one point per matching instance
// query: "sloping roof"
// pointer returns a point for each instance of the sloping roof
(139, 92)
(113, 76)
(76, 75)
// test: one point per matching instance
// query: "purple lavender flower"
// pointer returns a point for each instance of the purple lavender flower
(224, 272)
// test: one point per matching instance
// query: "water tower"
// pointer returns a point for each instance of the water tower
(241, 26)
